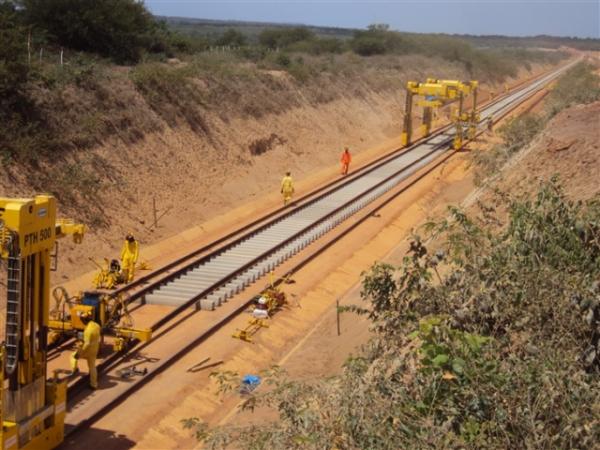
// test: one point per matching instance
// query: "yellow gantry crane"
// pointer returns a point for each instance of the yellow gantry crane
(33, 407)
(435, 93)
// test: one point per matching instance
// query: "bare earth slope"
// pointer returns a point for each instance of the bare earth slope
(239, 153)
(570, 147)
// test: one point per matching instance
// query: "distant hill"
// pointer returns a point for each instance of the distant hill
(541, 41)
(213, 28)
(208, 27)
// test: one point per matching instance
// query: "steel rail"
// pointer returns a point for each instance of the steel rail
(185, 305)
(204, 335)
(277, 214)
(504, 109)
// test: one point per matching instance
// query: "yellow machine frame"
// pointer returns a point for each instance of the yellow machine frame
(33, 407)
(275, 300)
(462, 120)
(433, 94)
(108, 310)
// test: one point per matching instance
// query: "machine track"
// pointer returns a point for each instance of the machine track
(208, 277)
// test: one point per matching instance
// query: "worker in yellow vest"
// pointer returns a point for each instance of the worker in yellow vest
(129, 256)
(89, 348)
(287, 187)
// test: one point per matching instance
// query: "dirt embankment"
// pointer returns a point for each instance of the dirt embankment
(569, 146)
(250, 134)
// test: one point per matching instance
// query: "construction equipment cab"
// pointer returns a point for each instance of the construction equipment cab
(32, 407)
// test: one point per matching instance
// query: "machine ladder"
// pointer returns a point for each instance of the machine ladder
(13, 313)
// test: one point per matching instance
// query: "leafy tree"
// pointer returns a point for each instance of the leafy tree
(18, 126)
(284, 37)
(377, 39)
(119, 29)
(232, 37)
(500, 350)
(13, 52)
(368, 45)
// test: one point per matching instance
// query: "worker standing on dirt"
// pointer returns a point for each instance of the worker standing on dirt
(129, 257)
(345, 160)
(287, 187)
(89, 348)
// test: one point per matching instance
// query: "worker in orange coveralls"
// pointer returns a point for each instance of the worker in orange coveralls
(345, 160)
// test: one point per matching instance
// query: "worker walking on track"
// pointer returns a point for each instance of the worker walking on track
(345, 160)
(287, 188)
(129, 257)
(89, 348)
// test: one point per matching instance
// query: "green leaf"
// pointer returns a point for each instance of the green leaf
(475, 342)
(458, 365)
(440, 360)
(413, 335)
(421, 407)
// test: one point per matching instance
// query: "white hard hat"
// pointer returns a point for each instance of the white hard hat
(262, 301)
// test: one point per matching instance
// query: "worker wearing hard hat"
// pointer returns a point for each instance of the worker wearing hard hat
(129, 256)
(89, 348)
(287, 187)
(345, 160)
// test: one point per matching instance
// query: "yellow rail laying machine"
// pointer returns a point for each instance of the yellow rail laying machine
(434, 94)
(32, 407)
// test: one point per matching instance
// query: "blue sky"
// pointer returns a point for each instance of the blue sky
(509, 17)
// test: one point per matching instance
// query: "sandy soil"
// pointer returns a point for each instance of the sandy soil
(302, 339)
(569, 147)
(207, 184)
(192, 177)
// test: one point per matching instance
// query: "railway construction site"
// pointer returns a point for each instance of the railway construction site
(438, 295)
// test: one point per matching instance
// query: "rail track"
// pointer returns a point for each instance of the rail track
(209, 276)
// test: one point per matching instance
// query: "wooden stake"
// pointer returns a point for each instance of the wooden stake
(154, 211)
(337, 312)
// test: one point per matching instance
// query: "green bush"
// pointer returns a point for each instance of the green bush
(20, 130)
(318, 46)
(283, 60)
(171, 94)
(252, 53)
(580, 85)
(368, 45)
(283, 37)
(377, 39)
(119, 29)
(500, 352)
(520, 131)
(14, 70)
(232, 37)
